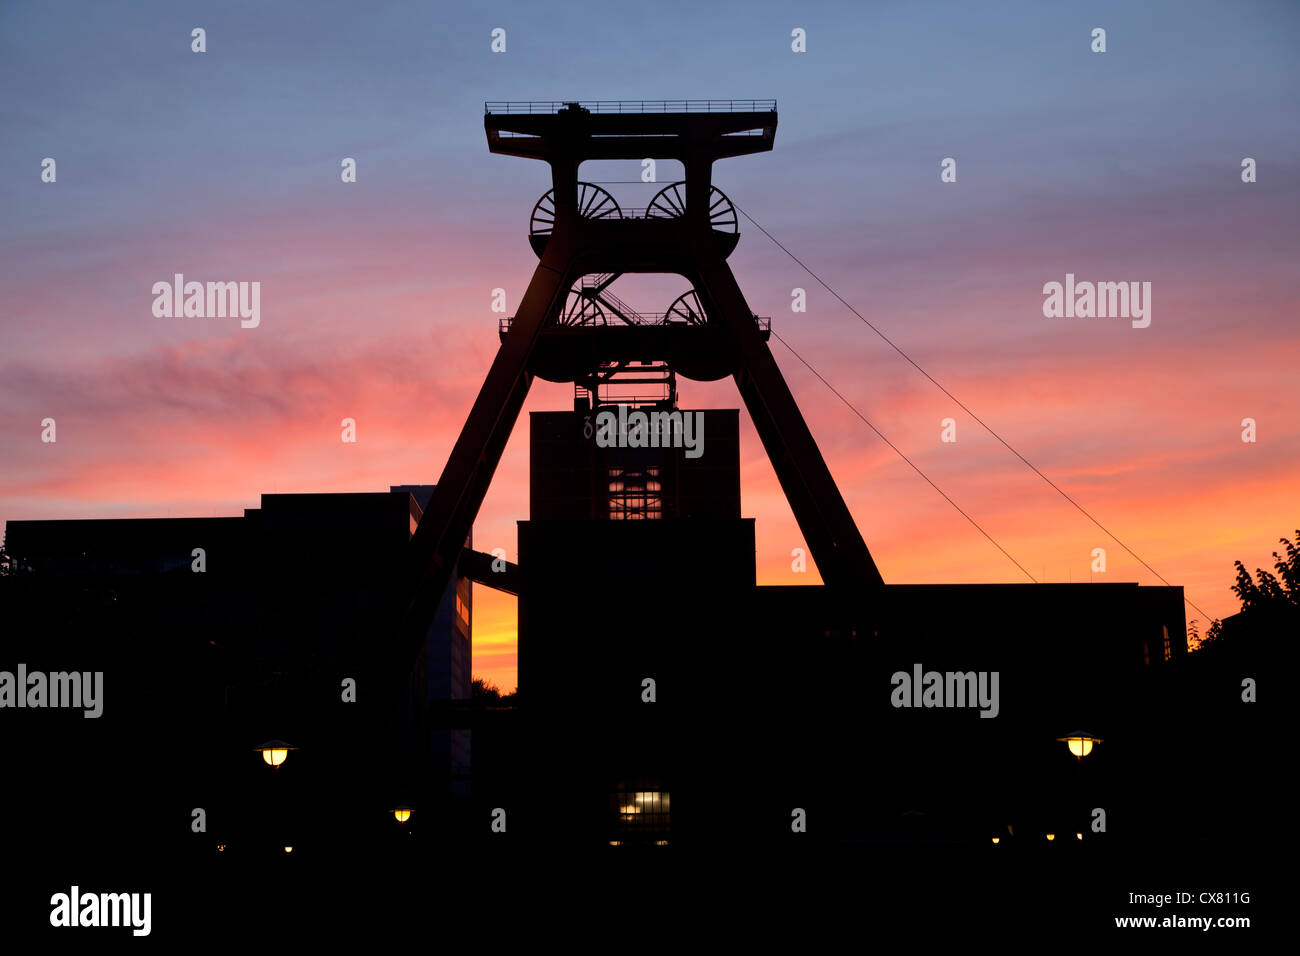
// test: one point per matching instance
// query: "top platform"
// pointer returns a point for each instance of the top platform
(629, 129)
(632, 106)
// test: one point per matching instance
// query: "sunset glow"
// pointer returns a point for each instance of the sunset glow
(375, 297)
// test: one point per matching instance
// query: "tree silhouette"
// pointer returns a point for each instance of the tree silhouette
(1270, 592)
(484, 692)
(1270, 602)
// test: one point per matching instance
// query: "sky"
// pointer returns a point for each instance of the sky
(376, 295)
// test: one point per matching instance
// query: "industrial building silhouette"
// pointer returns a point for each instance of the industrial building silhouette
(664, 696)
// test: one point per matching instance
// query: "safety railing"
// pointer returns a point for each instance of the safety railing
(639, 212)
(635, 401)
(630, 106)
(763, 322)
(589, 289)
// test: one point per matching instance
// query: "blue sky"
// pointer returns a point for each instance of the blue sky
(1115, 166)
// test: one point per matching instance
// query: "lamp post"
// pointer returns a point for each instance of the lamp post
(1080, 745)
(274, 753)
(401, 813)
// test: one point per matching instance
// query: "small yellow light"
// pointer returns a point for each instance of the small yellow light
(1051, 836)
(1078, 836)
(221, 848)
(275, 752)
(1080, 744)
(997, 839)
(288, 849)
(402, 814)
(661, 842)
(615, 842)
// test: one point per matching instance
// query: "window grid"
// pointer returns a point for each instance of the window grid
(635, 493)
(641, 810)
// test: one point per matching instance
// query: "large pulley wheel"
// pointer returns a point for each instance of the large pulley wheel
(686, 309)
(593, 203)
(670, 203)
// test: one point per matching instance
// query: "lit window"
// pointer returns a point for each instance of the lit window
(635, 493)
(462, 610)
(644, 811)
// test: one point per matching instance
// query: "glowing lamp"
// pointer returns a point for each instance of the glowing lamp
(1080, 744)
(275, 752)
(401, 813)
(1051, 836)
(997, 839)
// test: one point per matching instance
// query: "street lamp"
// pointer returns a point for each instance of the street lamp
(402, 813)
(1080, 744)
(275, 752)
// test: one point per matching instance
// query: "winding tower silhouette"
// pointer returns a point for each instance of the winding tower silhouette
(569, 326)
